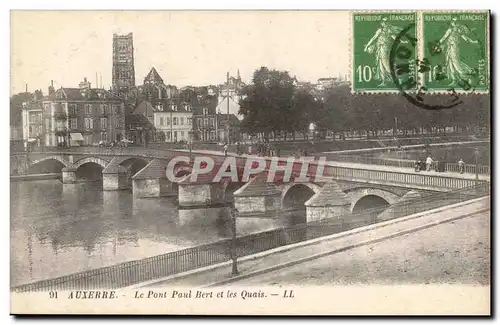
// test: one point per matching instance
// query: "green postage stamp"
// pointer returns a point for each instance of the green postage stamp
(379, 64)
(424, 51)
(456, 47)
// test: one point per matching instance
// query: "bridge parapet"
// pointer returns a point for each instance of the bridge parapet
(395, 178)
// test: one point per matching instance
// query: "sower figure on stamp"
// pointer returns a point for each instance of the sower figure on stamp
(383, 39)
(455, 69)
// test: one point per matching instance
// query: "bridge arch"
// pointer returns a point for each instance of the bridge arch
(296, 194)
(96, 160)
(134, 164)
(365, 198)
(58, 158)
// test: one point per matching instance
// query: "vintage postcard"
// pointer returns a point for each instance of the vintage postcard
(250, 162)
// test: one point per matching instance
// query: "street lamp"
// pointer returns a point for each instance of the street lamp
(476, 155)
(233, 214)
(190, 133)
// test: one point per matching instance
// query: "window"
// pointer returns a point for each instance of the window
(73, 123)
(47, 124)
(212, 121)
(167, 135)
(118, 124)
(175, 135)
(205, 111)
(199, 122)
(189, 121)
(104, 136)
(174, 107)
(168, 120)
(104, 123)
(88, 109)
(182, 134)
(72, 109)
(182, 120)
(175, 120)
(117, 109)
(89, 123)
(104, 109)
(205, 122)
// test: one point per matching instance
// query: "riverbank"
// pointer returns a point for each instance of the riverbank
(34, 177)
(277, 261)
(457, 252)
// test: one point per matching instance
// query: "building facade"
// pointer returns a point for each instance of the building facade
(172, 119)
(123, 73)
(206, 124)
(74, 116)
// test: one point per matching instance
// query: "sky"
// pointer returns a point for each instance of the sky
(186, 47)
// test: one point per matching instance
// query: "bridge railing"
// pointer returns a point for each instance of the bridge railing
(397, 178)
(152, 268)
(405, 163)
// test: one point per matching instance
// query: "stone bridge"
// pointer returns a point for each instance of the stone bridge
(339, 188)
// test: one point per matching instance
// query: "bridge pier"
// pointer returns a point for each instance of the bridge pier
(151, 181)
(192, 195)
(68, 175)
(114, 178)
(392, 210)
(153, 187)
(258, 197)
(329, 203)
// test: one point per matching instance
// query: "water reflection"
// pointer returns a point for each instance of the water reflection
(58, 229)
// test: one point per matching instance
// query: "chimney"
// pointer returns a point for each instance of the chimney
(51, 87)
(26, 87)
(101, 80)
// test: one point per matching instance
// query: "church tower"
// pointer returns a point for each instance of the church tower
(123, 62)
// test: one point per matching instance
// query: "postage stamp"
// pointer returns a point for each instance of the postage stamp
(457, 49)
(373, 37)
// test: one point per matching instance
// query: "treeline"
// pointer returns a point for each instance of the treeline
(275, 105)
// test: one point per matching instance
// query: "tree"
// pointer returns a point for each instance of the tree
(334, 113)
(303, 112)
(267, 105)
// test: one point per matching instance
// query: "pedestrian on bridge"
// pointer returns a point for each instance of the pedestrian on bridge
(461, 166)
(429, 162)
(225, 150)
(418, 165)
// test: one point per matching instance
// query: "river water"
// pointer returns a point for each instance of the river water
(59, 229)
